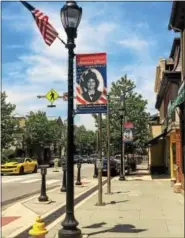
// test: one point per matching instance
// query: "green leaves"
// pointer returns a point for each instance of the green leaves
(85, 140)
(135, 111)
(8, 124)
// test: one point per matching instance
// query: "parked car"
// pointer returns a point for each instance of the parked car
(78, 158)
(113, 167)
(19, 165)
(85, 158)
(93, 158)
(117, 158)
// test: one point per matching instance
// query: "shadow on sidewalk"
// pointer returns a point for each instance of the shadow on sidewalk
(120, 228)
(114, 202)
(160, 176)
(120, 192)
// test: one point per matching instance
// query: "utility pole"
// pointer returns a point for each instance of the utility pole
(108, 147)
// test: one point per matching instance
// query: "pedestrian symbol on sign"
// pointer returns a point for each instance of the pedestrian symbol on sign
(52, 95)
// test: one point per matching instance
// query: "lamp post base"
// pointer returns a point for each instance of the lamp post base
(63, 189)
(122, 178)
(78, 183)
(43, 198)
(76, 233)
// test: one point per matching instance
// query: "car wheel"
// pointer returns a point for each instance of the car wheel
(21, 171)
(35, 169)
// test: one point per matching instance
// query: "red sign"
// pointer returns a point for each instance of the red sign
(91, 59)
(128, 125)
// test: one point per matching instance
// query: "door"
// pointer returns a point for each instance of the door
(29, 165)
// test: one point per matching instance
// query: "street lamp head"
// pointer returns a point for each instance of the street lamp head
(70, 16)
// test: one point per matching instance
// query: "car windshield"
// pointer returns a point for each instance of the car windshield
(18, 160)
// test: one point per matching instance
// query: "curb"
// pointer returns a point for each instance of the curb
(60, 211)
(17, 199)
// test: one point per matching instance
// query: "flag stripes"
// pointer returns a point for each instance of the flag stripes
(47, 30)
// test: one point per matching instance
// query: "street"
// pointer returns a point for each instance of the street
(15, 186)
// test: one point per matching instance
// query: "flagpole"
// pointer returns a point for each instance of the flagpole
(61, 40)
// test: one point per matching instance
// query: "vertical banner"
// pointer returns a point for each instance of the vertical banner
(128, 132)
(91, 79)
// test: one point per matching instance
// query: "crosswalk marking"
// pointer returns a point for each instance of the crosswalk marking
(52, 181)
(11, 180)
(30, 181)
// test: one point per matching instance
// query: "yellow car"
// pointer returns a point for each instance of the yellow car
(20, 166)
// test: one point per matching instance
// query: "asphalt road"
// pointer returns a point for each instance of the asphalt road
(14, 186)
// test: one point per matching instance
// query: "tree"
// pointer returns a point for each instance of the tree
(85, 140)
(40, 131)
(8, 124)
(135, 112)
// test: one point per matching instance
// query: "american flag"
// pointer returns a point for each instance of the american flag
(48, 32)
(80, 100)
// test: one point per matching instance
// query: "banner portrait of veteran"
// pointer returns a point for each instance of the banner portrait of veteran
(91, 89)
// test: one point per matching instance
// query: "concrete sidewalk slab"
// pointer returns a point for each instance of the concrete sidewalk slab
(134, 209)
(29, 208)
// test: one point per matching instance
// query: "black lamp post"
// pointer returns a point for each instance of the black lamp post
(122, 171)
(70, 17)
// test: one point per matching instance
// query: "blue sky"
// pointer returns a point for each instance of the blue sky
(133, 34)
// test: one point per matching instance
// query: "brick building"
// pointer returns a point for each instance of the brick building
(177, 23)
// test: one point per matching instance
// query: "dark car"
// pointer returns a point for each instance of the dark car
(113, 167)
(117, 158)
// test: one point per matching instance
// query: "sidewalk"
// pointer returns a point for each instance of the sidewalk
(138, 207)
(20, 216)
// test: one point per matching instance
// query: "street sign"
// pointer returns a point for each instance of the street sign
(52, 95)
(99, 164)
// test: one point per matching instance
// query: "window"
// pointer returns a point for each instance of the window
(28, 160)
(174, 152)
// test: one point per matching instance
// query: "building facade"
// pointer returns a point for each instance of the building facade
(177, 23)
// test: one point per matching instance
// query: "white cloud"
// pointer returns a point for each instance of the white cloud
(135, 43)
(87, 120)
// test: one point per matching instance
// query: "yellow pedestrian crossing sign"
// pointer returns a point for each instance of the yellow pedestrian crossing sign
(52, 95)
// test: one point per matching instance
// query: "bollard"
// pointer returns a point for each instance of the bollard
(95, 170)
(78, 181)
(56, 162)
(43, 197)
(38, 230)
(63, 188)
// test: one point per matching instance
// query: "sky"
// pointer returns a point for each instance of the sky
(133, 34)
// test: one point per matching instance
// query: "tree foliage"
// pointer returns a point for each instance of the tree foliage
(135, 111)
(85, 140)
(8, 124)
(40, 132)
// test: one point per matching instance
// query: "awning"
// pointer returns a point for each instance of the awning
(155, 139)
(179, 100)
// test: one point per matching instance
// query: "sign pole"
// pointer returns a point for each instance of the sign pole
(99, 164)
(108, 148)
(122, 170)
(123, 147)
